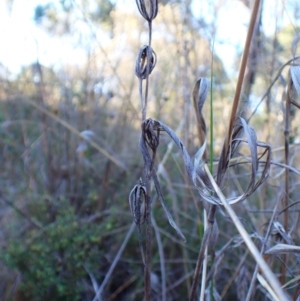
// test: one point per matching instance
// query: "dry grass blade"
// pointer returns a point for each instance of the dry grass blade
(166, 210)
(295, 75)
(294, 170)
(265, 284)
(296, 279)
(199, 96)
(283, 249)
(271, 278)
(204, 263)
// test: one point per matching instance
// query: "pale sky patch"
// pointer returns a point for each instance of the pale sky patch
(22, 42)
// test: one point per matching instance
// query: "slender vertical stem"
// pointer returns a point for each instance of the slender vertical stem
(150, 33)
(205, 262)
(242, 71)
(145, 102)
(286, 180)
(147, 267)
(211, 145)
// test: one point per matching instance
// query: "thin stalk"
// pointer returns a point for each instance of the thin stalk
(205, 262)
(147, 266)
(145, 103)
(286, 172)
(211, 144)
(242, 72)
(201, 256)
(211, 149)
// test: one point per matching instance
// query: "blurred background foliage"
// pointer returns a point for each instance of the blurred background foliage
(64, 204)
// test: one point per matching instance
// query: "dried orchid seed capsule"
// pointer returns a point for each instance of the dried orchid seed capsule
(148, 9)
(137, 199)
(142, 66)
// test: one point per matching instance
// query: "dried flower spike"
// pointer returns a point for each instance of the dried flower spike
(148, 9)
(137, 200)
(142, 65)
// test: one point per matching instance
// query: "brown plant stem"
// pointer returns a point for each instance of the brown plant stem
(242, 72)
(144, 105)
(285, 200)
(147, 266)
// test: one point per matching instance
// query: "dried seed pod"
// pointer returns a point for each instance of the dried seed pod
(142, 65)
(137, 200)
(151, 133)
(148, 9)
